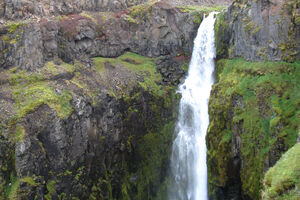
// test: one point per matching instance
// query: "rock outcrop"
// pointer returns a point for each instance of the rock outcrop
(13, 9)
(151, 30)
(260, 30)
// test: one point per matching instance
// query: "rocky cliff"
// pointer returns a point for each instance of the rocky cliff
(88, 98)
(254, 106)
(260, 30)
(13, 9)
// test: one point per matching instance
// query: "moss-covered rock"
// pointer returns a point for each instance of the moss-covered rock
(222, 36)
(103, 130)
(282, 181)
(254, 117)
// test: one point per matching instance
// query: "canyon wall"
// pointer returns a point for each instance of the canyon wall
(254, 105)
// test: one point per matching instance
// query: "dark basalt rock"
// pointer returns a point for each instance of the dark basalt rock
(260, 30)
(157, 30)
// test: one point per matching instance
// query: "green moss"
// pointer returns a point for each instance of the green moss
(6, 38)
(61, 17)
(13, 41)
(31, 90)
(249, 25)
(155, 149)
(185, 66)
(140, 65)
(13, 188)
(297, 20)
(29, 97)
(51, 190)
(28, 180)
(267, 115)
(80, 172)
(221, 30)
(200, 9)
(88, 16)
(283, 180)
(107, 180)
(142, 11)
(53, 69)
(256, 29)
(19, 134)
(131, 20)
(14, 27)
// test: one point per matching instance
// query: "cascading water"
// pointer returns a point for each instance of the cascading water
(188, 159)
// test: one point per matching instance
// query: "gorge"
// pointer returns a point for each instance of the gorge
(88, 102)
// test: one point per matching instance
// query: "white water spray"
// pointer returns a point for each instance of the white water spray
(188, 159)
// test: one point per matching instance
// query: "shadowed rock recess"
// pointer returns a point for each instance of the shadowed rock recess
(88, 97)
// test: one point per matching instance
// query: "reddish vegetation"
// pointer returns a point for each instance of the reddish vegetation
(69, 25)
(118, 15)
(179, 58)
(124, 12)
(161, 4)
(102, 37)
(43, 21)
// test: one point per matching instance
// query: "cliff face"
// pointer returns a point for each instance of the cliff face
(254, 106)
(260, 30)
(84, 116)
(149, 29)
(13, 9)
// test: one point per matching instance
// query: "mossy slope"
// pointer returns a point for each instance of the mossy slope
(254, 117)
(283, 180)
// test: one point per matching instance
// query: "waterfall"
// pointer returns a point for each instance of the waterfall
(188, 159)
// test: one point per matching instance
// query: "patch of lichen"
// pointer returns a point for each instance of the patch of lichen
(282, 181)
(260, 102)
